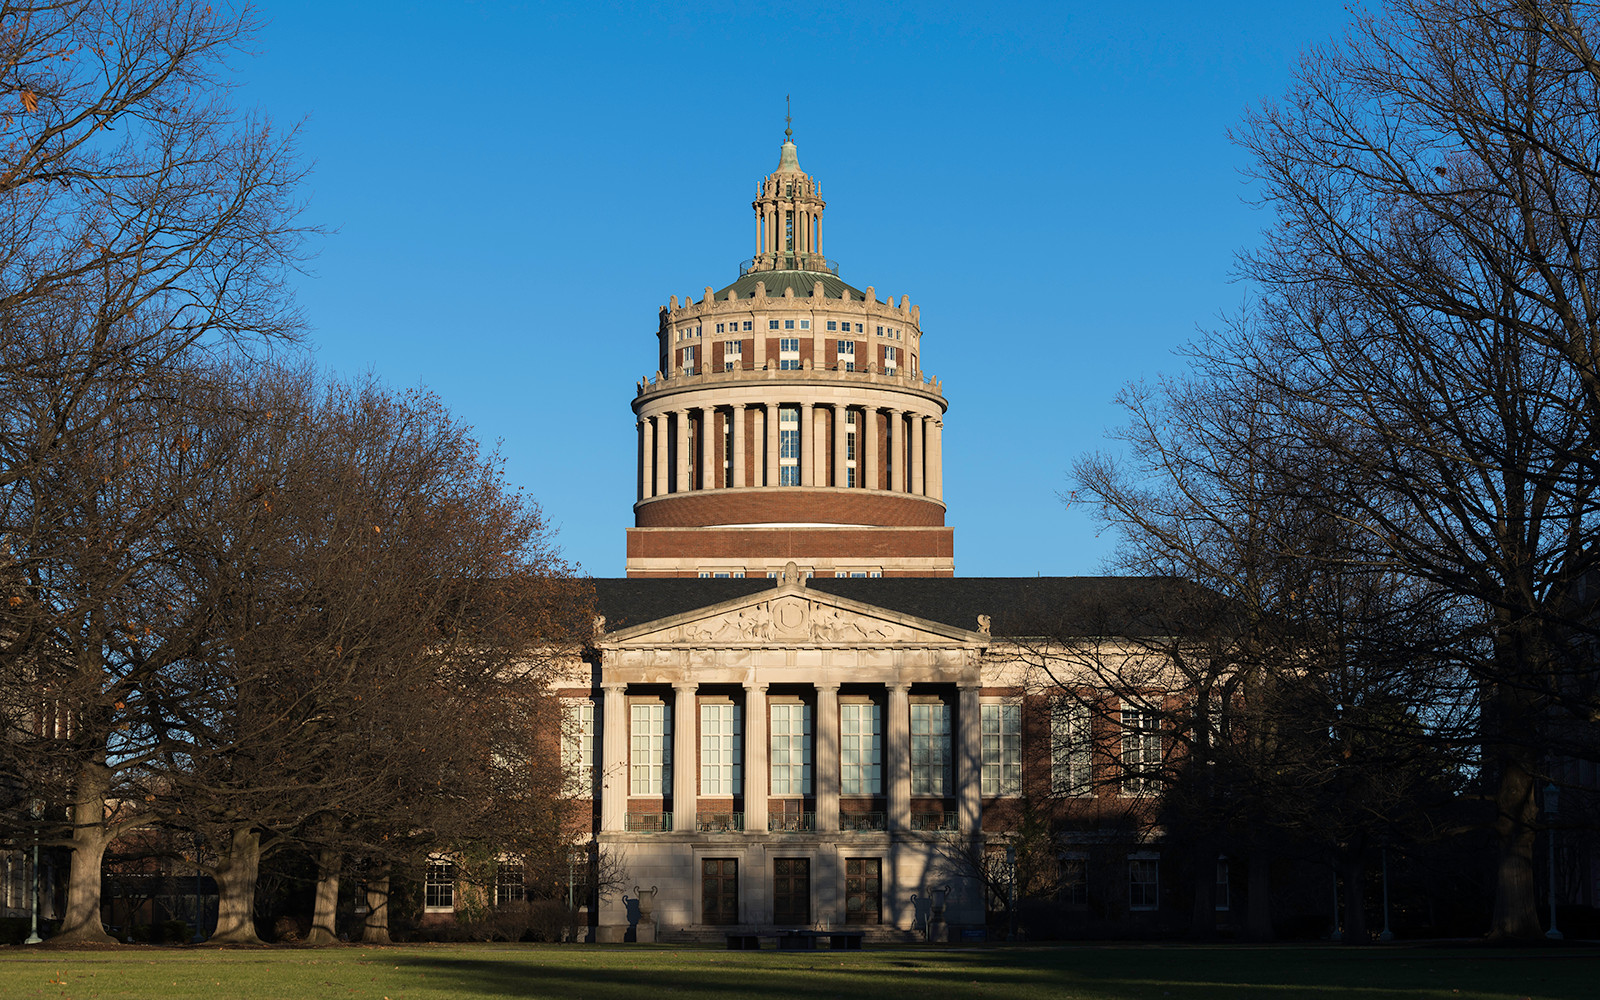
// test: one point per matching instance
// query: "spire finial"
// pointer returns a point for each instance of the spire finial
(788, 121)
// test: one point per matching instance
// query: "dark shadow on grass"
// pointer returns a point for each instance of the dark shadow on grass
(1109, 972)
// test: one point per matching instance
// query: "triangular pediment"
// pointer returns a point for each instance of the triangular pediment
(791, 615)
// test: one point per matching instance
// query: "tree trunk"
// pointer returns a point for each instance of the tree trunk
(236, 890)
(375, 930)
(1204, 916)
(1355, 900)
(1516, 916)
(325, 914)
(89, 839)
(1258, 897)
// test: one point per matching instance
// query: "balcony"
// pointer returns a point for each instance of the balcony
(936, 822)
(803, 822)
(867, 822)
(789, 262)
(718, 822)
(899, 378)
(654, 822)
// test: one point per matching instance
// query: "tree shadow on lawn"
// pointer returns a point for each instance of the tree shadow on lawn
(1078, 971)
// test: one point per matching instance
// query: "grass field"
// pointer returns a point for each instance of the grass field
(1082, 972)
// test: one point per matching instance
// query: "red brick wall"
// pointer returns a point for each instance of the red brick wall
(734, 544)
(873, 507)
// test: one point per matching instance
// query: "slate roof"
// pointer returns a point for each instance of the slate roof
(801, 281)
(1016, 606)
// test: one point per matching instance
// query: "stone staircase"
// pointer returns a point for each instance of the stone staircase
(877, 936)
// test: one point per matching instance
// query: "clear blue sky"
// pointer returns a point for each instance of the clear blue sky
(514, 189)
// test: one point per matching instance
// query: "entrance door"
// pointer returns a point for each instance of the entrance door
(863, 890)
(791, 891)
(719, 887)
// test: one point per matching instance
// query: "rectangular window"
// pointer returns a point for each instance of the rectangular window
(789, 353)
(1075, 880)
(860, 749)
(719, 886)
(789, 445)
(719, 328)
(508, 883)
(850, 425)
(1144, 883)
(439, 885)
(833, 324)
(788, 324)
(1001, 770)
(847, 355)
(930, 748)
(732, 355)
(719, 749)
(791, 891)
(805, 324)
(747, 324)
(863, 890)
(790, 760)
(1141, 752)
(1070, 749)
(860, 328)
(688, 360)
(651, 750)
(577, 746)
(880, 331)
(772, 324)
(890, 359)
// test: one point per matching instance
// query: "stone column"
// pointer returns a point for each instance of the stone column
(708, 448)
(897, 450)
(660, 421)
(826, 769)
(918, 484)
(755, 758)
(647, 447)
(936, 459)
(808, 445)
(897, 756)
(869, 446)
(682, 417)
(738, 445)
(841, 461)
(685, 776)
(773, 476)
(613, 762)
(968, 771)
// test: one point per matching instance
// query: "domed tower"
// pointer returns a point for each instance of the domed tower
(789, 419)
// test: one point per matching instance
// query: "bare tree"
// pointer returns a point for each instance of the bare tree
(143, 219)
(1286, 680)
(387, 615)
(1430, 310)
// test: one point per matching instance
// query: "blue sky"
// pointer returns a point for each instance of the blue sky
(512, 190)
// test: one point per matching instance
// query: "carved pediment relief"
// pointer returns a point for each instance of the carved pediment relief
(789, 618)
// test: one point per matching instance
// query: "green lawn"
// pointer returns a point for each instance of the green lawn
(1083, 972)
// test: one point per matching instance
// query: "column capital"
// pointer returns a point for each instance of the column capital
(758, 686)
(826, 687)
(685, 685)
(897, 685)
(613, 685)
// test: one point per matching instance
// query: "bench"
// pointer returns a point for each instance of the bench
(798, 940)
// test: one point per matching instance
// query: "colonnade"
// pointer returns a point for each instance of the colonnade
(666, 464)
(965, 757)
